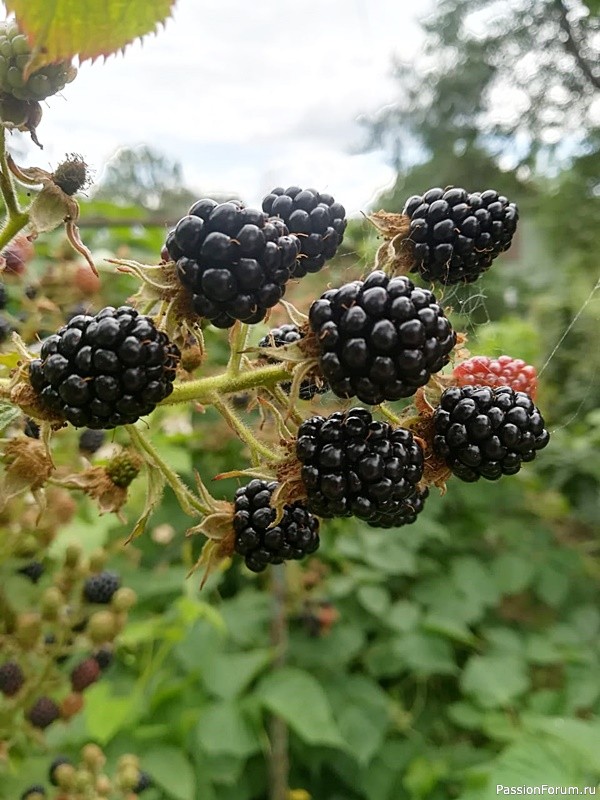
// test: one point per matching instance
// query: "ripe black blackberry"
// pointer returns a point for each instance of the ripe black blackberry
(56, 763)
(3, 296)
(484, 432)
(101, 587)
(394, 514)
(106, 370)
(104, 657)
(288, 334)
(354, 465)
(233, 260)
(34, 792)
(5, 329)
(11, 678)
(316, 219)
(381, 338)
(43, 713)
(34, 571)
(85, 674)
(261, 543)
(144, 782)
(90, 441)
(32, 429)
(457, 235)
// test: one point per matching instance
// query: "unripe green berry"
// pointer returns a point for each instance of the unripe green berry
(124, 599)
(52, 603)
(102, 627)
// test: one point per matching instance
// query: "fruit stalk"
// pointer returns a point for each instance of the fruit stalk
(15, 218)
(203, 390)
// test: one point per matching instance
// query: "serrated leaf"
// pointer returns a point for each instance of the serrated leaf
(222, 730)
(494, 680)
(172, 772)
(8, 414)
(60, 30)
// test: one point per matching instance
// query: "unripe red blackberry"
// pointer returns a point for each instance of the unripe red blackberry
(11, 678)
(457, 235)
(501, 371)
(315, 218)
(233, 260)
(56, 763)
(258, 540)
(381, 338)
(482, 432)
(35, 792)
(354, 465)
(43, 713)
(288, 334)
(85, 674)
(106, 370)
(100, 588)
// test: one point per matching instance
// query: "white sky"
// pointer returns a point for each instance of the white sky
(246, 95)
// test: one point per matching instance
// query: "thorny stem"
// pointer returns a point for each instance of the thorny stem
(15, 218)
(203, 390)
(189, 502)
(244, 433)
(238, 339)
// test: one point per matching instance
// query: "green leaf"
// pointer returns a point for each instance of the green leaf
(107, 713)
(512, 572)
(374, 599)
(300, 700)
(63, 29)
(361, 710)
(494, 680)
(222, 730)
(228, 674)
(426, 654)
(8, 414)
(171, 771)
(403, 616)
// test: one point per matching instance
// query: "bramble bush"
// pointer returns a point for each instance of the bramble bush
(425, 638)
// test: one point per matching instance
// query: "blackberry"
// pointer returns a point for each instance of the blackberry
(35, 792)
(11, 678)
(56, 763)
(457, 235)
(103, 657)
(381, 338)
(34, 571)
(101, 587)
(288, 334)
(106, 370)
(395, 514)
(84, 674)
(258, 540)
(43, 713)
(32, 429)
(90, 441)
(501, 371)
(144, 782)
(484, 432)
(15, 53)
(233, 260)
(353, 465)
(3, 296)
(315, 218)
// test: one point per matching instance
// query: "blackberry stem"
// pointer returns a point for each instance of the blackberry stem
(15, 218)
(187, 500)
(244, 433)
(204, 390)
(238, 339)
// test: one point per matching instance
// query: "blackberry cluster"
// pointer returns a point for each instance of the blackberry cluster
(258, 540)
(316, 219)
(43, 713)
(100, 588)
(11, 678)
(484, 432)
(457, 235)
(353, 465)
(395, 515)
(288, 334)
(381, 338)
(34, 571)
(106, 370)
(234, 261)
(15, 53)
(31, 429)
